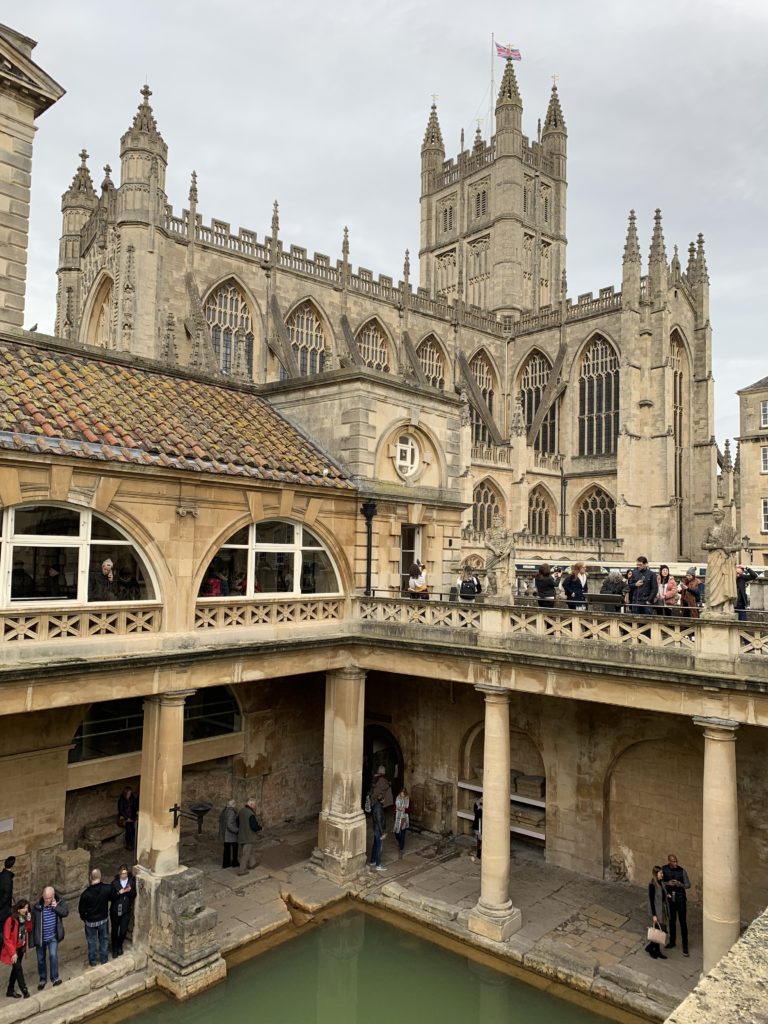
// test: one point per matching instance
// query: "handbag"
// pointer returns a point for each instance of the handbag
(657, 935)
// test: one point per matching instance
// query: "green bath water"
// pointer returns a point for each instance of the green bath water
(357, 969)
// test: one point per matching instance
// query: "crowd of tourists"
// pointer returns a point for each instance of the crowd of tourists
(640, 591)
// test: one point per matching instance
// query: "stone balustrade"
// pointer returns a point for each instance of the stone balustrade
(76, 623)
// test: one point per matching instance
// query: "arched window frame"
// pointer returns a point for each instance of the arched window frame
(227, 312)
(373, 345)
(533, 380)
(308, 340)
(680, 377)
(541, 512)
(433, 362)
(288, 562)
(99, 330)
(598, 398)
(485, 378)
(78, 558)
(596, 515)
(486, 503)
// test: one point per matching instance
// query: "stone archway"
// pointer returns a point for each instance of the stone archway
(381, 748)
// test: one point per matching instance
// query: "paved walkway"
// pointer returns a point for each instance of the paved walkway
(565, 915)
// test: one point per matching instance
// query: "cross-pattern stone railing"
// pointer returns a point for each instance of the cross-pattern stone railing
(423, 613)
(270, 612)
(76, 623)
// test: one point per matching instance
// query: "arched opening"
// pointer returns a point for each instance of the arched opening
(533, 381)
(486, 505)
(381, 749)
(680, 377)
(485, 379)
(432, 361)
(373, 346)
(541, 512)
(99, 329)
(598, 399)
(230, 323)
(305, 330)
(596, 515)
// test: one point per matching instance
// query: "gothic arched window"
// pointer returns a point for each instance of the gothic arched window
(485, 505)
(229, 319)
(533, 382)
(484, 378)
(432, 362)
(541, 513)
(599, 399)
(99, 330)
(305, 330)
(374, 350)
(596, 515)
(679, 382)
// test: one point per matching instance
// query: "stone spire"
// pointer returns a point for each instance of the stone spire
(407, 269)
(690, 269)
(554, 121)
(632, 244)
(193, 189)
(82, 183)
(345, 245)
(727, 463)
(479, 145)
(144, 119)
(107, 184)
(674, 267)
(275, 221)
(701, 262)
(658, 253)
(433, 137)
(509, 94)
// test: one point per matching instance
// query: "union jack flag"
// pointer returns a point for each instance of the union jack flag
(510, 52)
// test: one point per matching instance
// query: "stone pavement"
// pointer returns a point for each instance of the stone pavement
(587, 932)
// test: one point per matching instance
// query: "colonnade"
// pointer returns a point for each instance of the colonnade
(342, 826)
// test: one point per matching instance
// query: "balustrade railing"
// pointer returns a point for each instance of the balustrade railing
(76, 623)
(271, 612)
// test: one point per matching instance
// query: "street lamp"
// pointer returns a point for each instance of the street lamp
(368, 510)
(746, 544)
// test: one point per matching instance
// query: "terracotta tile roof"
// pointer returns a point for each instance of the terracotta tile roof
(67, 403)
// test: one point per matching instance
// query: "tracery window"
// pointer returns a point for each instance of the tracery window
(485, 505)
(599, 399)
(541, 513)
(271, 557)
(448, 217)
(374, 350)
(596, 515)
(432, 363)
(52, 554)
(533, 382)
(99, 331)
(305, 330)
(679, 373)
(227, 313)
(484, 378)
(481, 203)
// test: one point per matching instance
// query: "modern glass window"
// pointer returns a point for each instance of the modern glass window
(596, 515)
(274, 557)
(305, 330)
(541, 513)
(483, 374)
(485, 505)
(533, 382)
(599, 399)
(229, 321)
(432, 363)
(51, 554)
(764, 460)
(407, 455)
(374, 350)
(764, 414)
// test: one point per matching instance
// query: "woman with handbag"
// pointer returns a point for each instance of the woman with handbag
(657, 897)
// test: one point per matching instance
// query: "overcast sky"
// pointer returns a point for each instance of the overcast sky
(323, 106)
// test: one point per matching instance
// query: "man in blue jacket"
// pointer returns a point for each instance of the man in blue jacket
(47, 932)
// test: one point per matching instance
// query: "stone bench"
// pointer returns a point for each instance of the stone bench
(101, 832)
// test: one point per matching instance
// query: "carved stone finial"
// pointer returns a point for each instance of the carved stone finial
(83, 156)
(146, 92)
(193, 188)
(345, 244)
(407, 267)
(275, 220)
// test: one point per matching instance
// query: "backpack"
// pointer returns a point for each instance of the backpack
(467, 588)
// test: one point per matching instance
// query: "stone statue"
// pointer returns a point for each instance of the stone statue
(722, 546)
(501, 542)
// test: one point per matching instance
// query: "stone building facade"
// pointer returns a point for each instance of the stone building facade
(752, 471)
(586, 425)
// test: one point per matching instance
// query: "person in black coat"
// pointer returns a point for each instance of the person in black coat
(121, 909)
(545, 585)
(744, 575)
(677, 883)
(6, 890)
(128, 810)
(657, 898)
(94, 913)
(644, 586)
(575, 587)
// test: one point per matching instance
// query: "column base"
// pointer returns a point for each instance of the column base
(340, 850)
(497, 924)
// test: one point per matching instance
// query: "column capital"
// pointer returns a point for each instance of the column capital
(350, 672)
(501, 693)
(717, 728)
(170, 699)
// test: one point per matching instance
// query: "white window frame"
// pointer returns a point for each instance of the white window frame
(764, 459)
(253, 548)
(83, 542)
(764, 414)
(407, 455)
(765, 516)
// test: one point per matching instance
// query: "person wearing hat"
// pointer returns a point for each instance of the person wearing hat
(690, 594)
(381, 798)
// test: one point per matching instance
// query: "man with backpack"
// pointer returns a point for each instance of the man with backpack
(468, 585)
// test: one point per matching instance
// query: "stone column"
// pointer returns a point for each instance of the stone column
(720, 839)
(494, 916)
(341, 831)
(162, 755)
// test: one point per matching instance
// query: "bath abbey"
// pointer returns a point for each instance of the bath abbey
(242, 488)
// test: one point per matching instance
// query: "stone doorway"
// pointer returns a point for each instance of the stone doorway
(381, 748)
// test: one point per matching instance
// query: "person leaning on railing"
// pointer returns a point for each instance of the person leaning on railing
(545, 585)
(417, 583)
(575, 587)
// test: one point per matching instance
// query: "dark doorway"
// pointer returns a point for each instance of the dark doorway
(381, 748)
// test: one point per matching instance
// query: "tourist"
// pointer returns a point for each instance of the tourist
(677, 882)
(657, 897)
(666, 596)
(545, 585)
(248, 828)
(128, 813)
(94, 913)
(103, 583)
(417, 583)
(644, 587)
(744, 575)
(477, 828)
(381, 799)
(690, 595)
(47, 932)
(228, 834)
(121, 910)
(402, 819)
(575, 587)
(628, 591)
(15, 936)
(468, 584)
(6, 890)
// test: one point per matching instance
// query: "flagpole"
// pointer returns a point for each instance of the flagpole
(490, 99)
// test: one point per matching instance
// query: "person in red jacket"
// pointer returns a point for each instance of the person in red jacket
(15, 936)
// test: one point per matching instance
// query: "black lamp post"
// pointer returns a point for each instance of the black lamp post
(746, 544)
(368, 509)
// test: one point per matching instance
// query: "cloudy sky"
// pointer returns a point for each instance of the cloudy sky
(323, 106)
